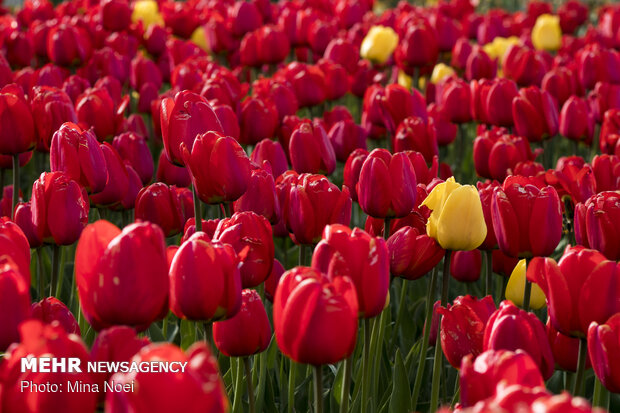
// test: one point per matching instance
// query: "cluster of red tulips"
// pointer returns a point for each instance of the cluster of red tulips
(380, 188)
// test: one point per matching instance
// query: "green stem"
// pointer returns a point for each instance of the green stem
(318, 389)
(427, 331)
(346, 384)
(302, 254)
(248, 379)
(2, 172)
(527, 293)
(208, 337)
(598, 390)
(366, 365)
(197, 211)
(237, 402)
(386, 228)
(55, 270)
(15, 182)
(401, 309)
(488, 285)
(291, 387)
(438, 361)
(40, 272)
(581, 366)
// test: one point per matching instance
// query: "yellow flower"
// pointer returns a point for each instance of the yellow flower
(404, 80)
(457, 221)
(441, 71)
(498, 47)
(379, 44)
(199, 39)
(547, 33)
(516, 287)
(148, 12)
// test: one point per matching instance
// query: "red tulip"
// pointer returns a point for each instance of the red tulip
(610, 131)
(417, 48)
(251, 237)
(115, 344)
(162, 205)
(336, 79)
(95, 108)
(18, 133)
(308, 82)
(16, 300)
(133, 149)
(462, 327)
(78, 154)
(117, 184)
(182, 119)
(199, 387)
(14, 244)
(595, 64)
(412, 253)
(50, 341)
(271, 151)
(518, 210)
(572, 177)
(576, 121)
(196, 297)
(309, 307)
(144, 71)
(603, 342)
(258, 120)
(479, 65)
(214, 152)
(115, 15)
(352, 169)
(525, 66)
(339, 253)
(465, 266)
(511, 328)
(23, 218)
(452, 95)
(68, 45)
(261, 197)
(59, 208)
(579, 288)
(170, 173)
(273, 45)
(496, 153)
(51, 107)
(565, 349)
(413, 134)
(561, 83)
(386, 186)
(280, 93)
(121, 276)
(246, 333)
(342, 52)
(485, 190)
(51, 310)
(481, 375)
(310, 203)
(535, 114)
(492, 101)
(606, 170)
(596, 223)
(310, 150)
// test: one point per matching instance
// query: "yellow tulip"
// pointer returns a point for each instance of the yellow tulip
(457, 220)
(516, 287)
(547, 33)
(498, 47)
(441, 71)
(148, 12)
(379, 44)
(199, 39)
(404, 80)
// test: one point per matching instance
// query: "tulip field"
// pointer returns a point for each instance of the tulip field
(310, 206)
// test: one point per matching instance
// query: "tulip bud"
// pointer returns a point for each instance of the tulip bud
(261, 197)
(546, 33)
(271, 151)
(214, 152)
(251, 321)
(121, 276)
(310, 150)
(457, 221)
(190, 296)
(465, 266)
(412, 254)
(395, 196)
(330, 308)
(170, 173)
(16, 120)
(258, 120)
(338, 255)
(535, 114)
(52, 342)
(15, 303)
(117, 185)
(379, 43)
(162, 205)
(251, 237)
(602, 345)
(565, 349)
(199, 384)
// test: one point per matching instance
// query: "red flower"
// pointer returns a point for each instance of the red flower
(164, 206)
(15, 304)
(412, 254)
(246, 333)
(603, 347)
(309, 307)
(122, 276)
(597, 223)
(310, 150)
(18, 133)
(51, 310)
(535, 114)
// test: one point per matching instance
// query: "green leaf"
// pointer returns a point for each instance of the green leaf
(156, 334)
(401, 394)
(337, 386)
